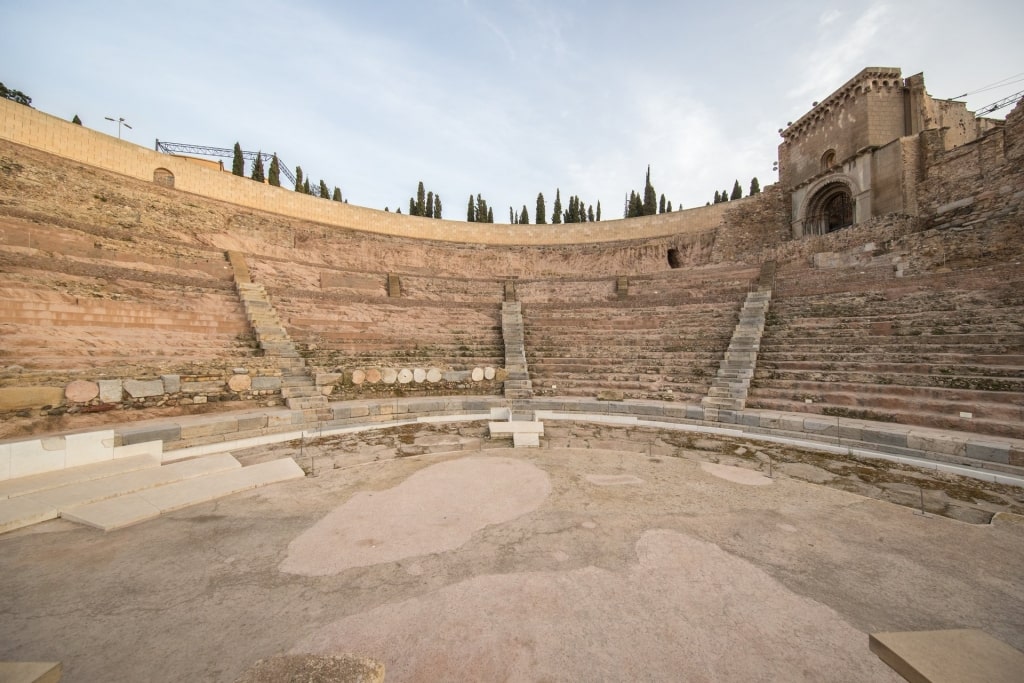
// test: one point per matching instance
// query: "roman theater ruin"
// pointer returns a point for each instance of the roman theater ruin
(250, 434)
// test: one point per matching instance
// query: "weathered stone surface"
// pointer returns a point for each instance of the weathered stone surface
(266, 383)
(434, 375)
(111, 390)
(389, 376)
(456, 375)
(81, 391)
(373, 375)
(404, 376)
(358, 377)
(489, 373)
(239, 383)
(323, 378)
(17, 398)
(418, 375)
(144, 388)
(477, 375)
(172, 383)
(210, 386)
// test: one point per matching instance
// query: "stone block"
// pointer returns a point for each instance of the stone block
(248, 424)
(769, 421)
(989, 451)
(456, 376)
(165, 433)
(324, 378)
(791, 423)
(207, 387)
(144, 388)
(946, 656)
(36, 456)
(728, 416)
(938, 443)
(172, 383)
(88, 447)
(344, 412)
(19, 398)
(820, 425)
(81, 391)
(239, 383)
(887, 436)
(749, 419)
(111, 390)
(694, 412)
(221, 426)
(266, 384)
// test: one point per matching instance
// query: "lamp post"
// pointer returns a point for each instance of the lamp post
(120, 122)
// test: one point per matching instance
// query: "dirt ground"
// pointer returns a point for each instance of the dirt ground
(681, 562)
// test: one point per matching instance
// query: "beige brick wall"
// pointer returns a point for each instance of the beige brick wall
(26, 126)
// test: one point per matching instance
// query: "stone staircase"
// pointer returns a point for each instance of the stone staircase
(518, 384)
(297, 387)
(729, 389)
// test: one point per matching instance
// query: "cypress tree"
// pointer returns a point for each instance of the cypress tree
(257, 168)
(737, 191)
(420, 200)
(556, 210)
(298, 179)
(511, 216)
(337, 196)
(541, 213)
(437, 206)
(481, 210)
(471, 210)
(274, 174)
(590, 212)
(490, 216)
(661, 204)
(428, 211)
(76, 120)
(324, 192)
(755, 187)
(718, 197)
(237, 162)
(305, 187)
(725, 195)
(412, 206)
(650, 201)
(524, 217)
(669, 207)
(598, 214)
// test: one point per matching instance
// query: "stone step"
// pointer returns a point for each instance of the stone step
(722, 403)
(138, 507)
(315, 403)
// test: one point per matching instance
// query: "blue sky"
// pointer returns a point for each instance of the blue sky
(505, 98)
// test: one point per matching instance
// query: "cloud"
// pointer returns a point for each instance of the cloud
(838, 53)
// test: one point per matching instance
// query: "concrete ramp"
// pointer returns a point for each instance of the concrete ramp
(133, 508)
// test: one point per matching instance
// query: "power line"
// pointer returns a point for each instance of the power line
(992, 86)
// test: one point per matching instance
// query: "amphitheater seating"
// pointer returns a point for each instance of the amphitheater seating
(944, 350)
(102, 302)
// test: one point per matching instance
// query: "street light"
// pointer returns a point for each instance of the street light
(120, 122)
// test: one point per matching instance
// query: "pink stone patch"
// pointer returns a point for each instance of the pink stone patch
(436, 509)
(81, 391)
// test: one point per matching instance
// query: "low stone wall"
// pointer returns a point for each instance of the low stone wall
(381, 382)
(259, 381)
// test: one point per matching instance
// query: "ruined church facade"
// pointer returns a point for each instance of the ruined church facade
(862, 152)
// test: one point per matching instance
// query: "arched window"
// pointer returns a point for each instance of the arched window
(828, 160)
(162, 176)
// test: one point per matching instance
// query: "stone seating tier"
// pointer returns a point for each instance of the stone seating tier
(910, 354)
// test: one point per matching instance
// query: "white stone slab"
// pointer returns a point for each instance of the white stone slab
(138, 507)
(90, 447)
(36, 456)
(500, 413)
(110, 487)
(30, 672)
(23, 486)
(18, 512)
(5, 461)
(440, 419)
(145, 448)
(525, 440)
(516, 427)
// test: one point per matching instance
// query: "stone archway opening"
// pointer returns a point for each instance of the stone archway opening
(163, 176)
(831, 209)
(675, 259)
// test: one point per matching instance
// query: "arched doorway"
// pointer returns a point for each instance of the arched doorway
(162, 176)
(831, 209)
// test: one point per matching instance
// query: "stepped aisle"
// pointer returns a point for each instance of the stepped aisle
(729, 388)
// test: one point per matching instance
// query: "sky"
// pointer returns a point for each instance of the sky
(502, 98)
